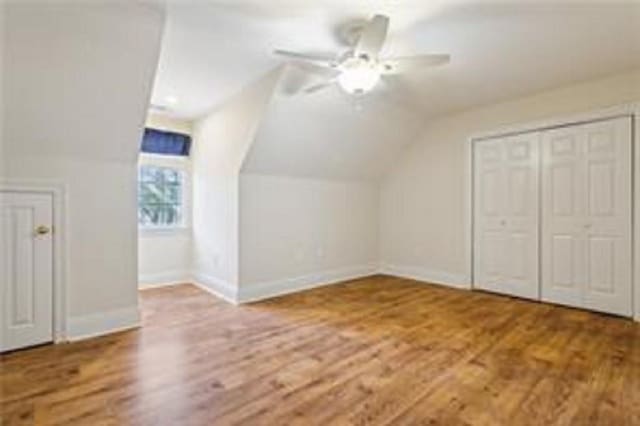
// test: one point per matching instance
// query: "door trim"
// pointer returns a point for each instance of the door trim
(58, 192)
(631, 110)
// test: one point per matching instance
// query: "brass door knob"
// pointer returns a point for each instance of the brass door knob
(42, 230)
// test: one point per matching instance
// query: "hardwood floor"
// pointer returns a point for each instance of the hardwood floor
(373, 351)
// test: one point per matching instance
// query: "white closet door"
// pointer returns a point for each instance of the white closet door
(586, 216)
(506, 215)
(26, 270)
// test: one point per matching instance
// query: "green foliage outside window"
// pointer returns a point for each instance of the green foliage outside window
(159, 196)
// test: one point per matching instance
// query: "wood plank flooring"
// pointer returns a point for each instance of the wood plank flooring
(379, 351)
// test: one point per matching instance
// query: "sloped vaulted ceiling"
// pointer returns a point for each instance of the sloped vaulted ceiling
(329, 135)
(500, 50)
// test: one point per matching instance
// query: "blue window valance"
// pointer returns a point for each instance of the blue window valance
(165, 143)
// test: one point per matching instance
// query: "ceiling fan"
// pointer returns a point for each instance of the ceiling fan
(358, 70)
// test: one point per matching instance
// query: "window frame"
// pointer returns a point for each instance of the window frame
(183, 166)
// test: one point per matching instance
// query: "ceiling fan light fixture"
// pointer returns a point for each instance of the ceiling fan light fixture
(358, 76)
(358, 70)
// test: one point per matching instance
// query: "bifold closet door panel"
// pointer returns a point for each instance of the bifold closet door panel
(586, 216)
(506, 215)
(489, 188)
(562, 262)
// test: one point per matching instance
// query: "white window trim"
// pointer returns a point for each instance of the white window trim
(183, 164)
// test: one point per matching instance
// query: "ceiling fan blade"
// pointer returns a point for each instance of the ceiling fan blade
(318, 87)
(313, 69)
(318, 60)
(372, 37)
(411, 63)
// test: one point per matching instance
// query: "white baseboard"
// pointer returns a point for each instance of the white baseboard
(102, 323)
(427, 275)
(260, 291)
(163, 278)
(126, 318)
(217, 287)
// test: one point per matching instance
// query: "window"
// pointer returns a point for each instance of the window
(161, 195)
(162, 142)
(164, 181)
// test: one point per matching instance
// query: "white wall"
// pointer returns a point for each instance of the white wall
(220, 142)
(2, 72)
(298, 232)
(77, 81)
(172, 124)
(165, 256)
(423, 198)
(257, 235)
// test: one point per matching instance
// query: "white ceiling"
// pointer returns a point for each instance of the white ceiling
(499, 50)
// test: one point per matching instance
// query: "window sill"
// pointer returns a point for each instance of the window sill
(164, 231)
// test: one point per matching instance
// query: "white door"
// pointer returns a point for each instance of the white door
(26, 268)
(506, 215)
(586, 216)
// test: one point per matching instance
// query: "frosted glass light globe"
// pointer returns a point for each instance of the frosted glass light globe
(358, 76)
